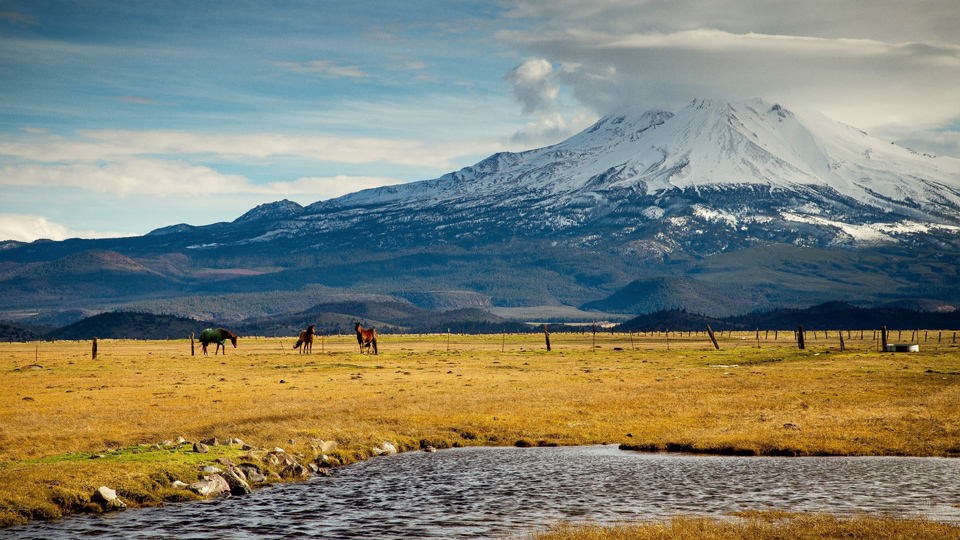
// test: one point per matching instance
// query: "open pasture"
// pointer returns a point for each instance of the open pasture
(650, 391)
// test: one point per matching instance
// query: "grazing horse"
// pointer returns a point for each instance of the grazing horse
(218, 336)
(366, 338)
(305, 343)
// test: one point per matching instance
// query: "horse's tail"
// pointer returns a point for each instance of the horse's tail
(297, 344)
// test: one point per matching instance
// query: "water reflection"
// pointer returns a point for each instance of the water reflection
(491, 492)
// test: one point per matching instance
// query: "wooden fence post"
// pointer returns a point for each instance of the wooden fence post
(546, 335)
(883, 339)
(713, 338)
(800, 336)
(191, 344)
(94, 348)
(632, 348)
(842, 347)
(594, 337)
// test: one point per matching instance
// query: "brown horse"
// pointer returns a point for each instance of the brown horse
(366, 338)
(305, 343)
(218, 336)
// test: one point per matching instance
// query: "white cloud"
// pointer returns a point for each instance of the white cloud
(101, 145)
(324, 68)
(326, 187)
(944, 143)
(27, 228)
(170, 178)
(874, 65)
(127, 176)
(548, 129)
(893, 20)
(532, 86)
(136, 100)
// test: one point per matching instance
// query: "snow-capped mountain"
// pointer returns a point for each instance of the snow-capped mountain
(650, 194)
(714, 176)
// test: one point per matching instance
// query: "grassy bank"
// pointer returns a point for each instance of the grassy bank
(764, 527)
(450, 391)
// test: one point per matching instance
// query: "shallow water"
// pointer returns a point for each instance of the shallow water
(502, 492)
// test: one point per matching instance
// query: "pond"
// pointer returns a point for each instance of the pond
(503, 492)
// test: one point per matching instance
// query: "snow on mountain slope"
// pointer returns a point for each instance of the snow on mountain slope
(713, 176)
(707, 144)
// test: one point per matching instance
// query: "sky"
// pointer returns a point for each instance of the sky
(119, 117)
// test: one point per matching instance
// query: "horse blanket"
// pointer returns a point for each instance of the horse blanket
(211, 335)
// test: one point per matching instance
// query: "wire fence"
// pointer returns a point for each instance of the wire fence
(588, 341)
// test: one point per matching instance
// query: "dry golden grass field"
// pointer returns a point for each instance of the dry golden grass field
(775, 526)
(650, 392)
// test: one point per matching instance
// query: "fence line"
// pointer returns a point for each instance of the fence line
(560, 341)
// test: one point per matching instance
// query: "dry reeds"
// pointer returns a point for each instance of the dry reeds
(796, 527)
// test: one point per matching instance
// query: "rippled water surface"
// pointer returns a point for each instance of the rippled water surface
(502, 492)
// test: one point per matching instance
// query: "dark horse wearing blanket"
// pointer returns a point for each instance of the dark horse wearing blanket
(366, 338)
(305, 343)
(218, 336)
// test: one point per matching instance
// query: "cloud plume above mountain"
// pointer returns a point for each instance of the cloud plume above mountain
(886, 66)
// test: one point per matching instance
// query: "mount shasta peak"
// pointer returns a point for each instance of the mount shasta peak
(633, 196)
(713, 177)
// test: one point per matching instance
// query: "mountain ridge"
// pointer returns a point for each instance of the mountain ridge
(636, 195)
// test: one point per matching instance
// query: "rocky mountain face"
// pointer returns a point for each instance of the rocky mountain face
(633, 196)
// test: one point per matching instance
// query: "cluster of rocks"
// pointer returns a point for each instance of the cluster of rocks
(232, 478)
(229, 477)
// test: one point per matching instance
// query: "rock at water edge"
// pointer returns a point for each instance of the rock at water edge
(210, 486)
(107, 498)
(252, 472)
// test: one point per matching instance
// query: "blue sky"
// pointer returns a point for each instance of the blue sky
(118, 117)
